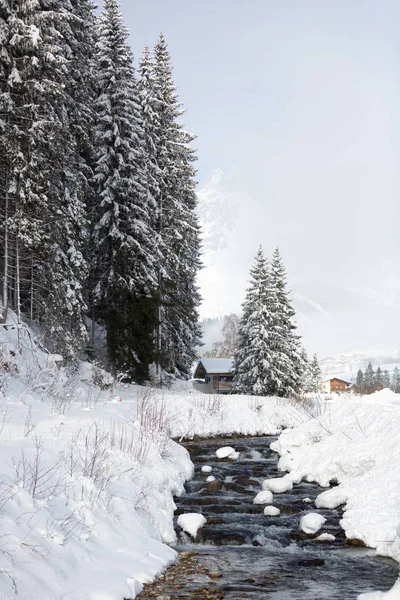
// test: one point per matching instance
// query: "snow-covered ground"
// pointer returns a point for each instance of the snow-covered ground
(354, 442)
(88, 475)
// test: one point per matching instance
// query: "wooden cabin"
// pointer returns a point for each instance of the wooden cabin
(336, 385)
(214, 375)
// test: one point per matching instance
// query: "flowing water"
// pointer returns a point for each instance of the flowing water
(253, 556)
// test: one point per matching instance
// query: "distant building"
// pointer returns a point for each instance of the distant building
(214, 375)
(337, 385)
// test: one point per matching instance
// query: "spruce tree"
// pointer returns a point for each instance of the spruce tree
(315, 375)
(369, 380)
(286, 343)
(395, 383)
(43, 268)
(179, 332)
(123, 238)
(386, 379)
(360, 382)
(227, 346)
(256, 371)
(378, 380)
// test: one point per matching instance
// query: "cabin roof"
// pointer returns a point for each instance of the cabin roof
(339, 379)
(213, 366)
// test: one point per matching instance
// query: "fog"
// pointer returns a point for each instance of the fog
(296, 108)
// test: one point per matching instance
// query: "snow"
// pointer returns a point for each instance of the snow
(206, 469)
(271, 511)
(101, 525)
(325, 537)
(210, 479)
(393, 594)
(311, 523)
(278, 485)
(217, 365)
(264, 497)
(227, 452)
(191, 523)
(355, 442)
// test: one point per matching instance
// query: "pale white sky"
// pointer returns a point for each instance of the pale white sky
(298, 103)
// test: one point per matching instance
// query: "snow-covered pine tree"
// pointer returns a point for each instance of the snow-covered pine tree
(151, 133)
(369, 380)
(378, 381)
(386, 379)
(123, 239)
(305, 380)
(360, 382)
(80, 91)
(179, 331)
(5, 123)
(286, 345)
(255, 370)
(40, 265)
(315, 384)
(395, 382)
(226, 348)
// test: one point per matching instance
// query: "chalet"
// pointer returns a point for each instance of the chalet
(214, 375)
(337, 385)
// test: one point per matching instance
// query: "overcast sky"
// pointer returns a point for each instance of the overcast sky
(298, 103)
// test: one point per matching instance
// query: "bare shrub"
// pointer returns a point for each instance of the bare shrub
(96, 450)
(7, 369)
(91, 397)
(5, 417)
(64, 395)
(37, 378)
(210, 405)
(102, 378)
(29, 425)
(255, 405)
(36, 475)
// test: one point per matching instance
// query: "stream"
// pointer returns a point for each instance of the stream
(244, 554)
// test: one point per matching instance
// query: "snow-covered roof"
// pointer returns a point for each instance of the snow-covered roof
(339, 379)
(217, 365)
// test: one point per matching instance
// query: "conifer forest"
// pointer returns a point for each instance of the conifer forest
(97, 189)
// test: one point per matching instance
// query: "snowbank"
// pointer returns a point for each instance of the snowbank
(353, 442)
(393, 594)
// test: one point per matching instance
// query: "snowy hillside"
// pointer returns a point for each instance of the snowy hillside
(349, 362)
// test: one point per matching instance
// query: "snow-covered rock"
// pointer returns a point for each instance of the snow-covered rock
(206, 469)
(264, 497)
(210, 478)
(191, 523)
(278, 485)
(311, 523)
(271, 511)
(325, 537)
(227, 452)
